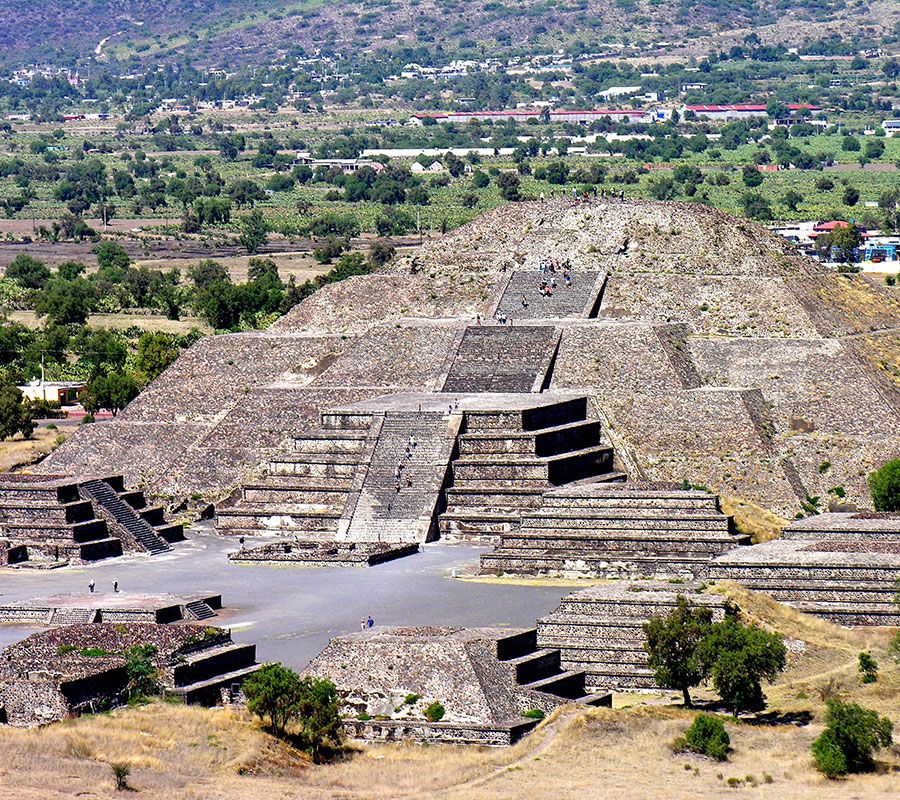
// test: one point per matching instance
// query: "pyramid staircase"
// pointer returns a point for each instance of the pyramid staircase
(616, 531)
(46, 521)
(508, 459)
(134, 523)
(539, 669)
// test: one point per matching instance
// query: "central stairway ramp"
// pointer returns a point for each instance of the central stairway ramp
(402, 488)
(509, 458)
(578, 298)
(127, 518)
(503, 358)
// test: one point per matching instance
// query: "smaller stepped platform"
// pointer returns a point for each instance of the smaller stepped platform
(841, 567)
(486, 679)
(311, 553)
(578, 298)
(118, 607)
(81, 668)
(46, 522)
(616, 530)
(502, 358)
(599, 630)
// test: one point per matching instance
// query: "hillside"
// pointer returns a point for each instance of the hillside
(713, 355)
(226, 33)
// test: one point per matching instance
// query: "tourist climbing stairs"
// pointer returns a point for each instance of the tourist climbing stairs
(401, 490)
(125, 516)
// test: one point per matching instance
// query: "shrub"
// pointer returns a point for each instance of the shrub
(868, 668)
(410, 699)
(851, 737)
(142, 675)
(707, 736)
(120, 773)
(434, 712)
(533, 713)
(884, 484)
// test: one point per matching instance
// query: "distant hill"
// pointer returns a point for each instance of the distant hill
(231, 32)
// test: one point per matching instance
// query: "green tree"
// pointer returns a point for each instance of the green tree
(792, 199)
(480, 179)
(509, 185)
(317, 716)
(737, 658)
(207, 272)
(671, 644)
(756, 206)
(840, 243)
(884, 484)
(113, 391)
(280, 695)
(752, 176)
(28, 272)
(155, 352)
(102, 350)
(143, 677)
(111, 255)
(15, 415)
(254, 231)
(868, 668)
(707, 735)
(851, 196)
(66, 302)
(851, 737)
(557, 173)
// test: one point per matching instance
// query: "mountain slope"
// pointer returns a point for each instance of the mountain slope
(230, 32)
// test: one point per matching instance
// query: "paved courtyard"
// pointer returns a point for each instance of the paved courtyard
(291, 613)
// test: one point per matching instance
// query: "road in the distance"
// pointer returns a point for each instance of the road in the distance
(290, 613)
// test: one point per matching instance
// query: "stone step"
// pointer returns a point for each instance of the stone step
(567, 684)
(276, 519)
(623, 496)
(829, 591)
(199, 609)
(214, 661)
(490, 496)
(617, 609)
(739, 571)
(544, 442)
(879, 614)
(535, 665)
(98, 549)
(625, 520)
(208, 692)
(616, 566)
(615, 549)
(466, 526)
(255, 493)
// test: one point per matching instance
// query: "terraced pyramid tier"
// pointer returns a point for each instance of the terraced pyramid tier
(599, 630)
(614, 530)
(842, 567)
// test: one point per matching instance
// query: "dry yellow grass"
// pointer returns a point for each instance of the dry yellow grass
(752, 519)
(18, 452)
(179, 753)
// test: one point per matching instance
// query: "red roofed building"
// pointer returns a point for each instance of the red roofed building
(727, 113)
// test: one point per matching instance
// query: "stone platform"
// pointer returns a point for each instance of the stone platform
(98, 607)
(600, 630)
(842, 567)
(78, 669)
(485, 679)
(305, 553)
